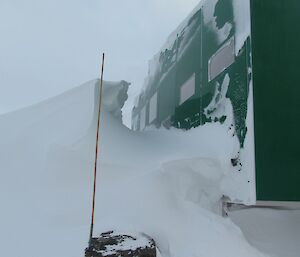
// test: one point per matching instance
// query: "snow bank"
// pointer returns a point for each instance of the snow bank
(164, 183)
(45, 180)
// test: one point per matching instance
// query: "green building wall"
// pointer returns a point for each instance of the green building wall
(267, 63)
(276, 64)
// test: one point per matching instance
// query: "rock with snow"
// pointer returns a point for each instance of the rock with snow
(113, 244)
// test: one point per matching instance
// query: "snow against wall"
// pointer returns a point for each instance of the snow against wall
(149, 182)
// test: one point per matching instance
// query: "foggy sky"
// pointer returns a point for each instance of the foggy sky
(50, 46)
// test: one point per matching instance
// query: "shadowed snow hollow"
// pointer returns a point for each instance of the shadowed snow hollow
(163, 183)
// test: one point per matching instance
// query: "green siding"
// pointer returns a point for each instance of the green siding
(276, 58)
(187, 114)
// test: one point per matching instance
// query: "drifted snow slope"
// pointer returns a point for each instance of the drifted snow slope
(166, 184)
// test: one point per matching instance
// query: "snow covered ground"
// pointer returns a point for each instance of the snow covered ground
(273, 231)
(163, 183)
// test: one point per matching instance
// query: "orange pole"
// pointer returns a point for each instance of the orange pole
(96, 152)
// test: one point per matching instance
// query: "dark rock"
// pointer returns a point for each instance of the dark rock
(111, 244)
(234, 161)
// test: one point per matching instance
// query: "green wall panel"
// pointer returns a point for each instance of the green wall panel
(276, 64)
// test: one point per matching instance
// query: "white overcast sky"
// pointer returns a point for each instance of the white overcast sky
(50, 46)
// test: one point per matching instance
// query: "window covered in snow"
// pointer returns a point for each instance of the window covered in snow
(221, 60)
(153, 108)
(187, 90)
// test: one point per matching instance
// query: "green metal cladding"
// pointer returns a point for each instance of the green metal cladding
(190, 54)
(276, 58)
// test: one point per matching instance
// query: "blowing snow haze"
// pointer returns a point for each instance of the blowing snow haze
(48, 47)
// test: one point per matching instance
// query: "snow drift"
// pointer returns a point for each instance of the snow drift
(164, 183)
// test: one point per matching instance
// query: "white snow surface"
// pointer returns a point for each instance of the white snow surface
(166, 184)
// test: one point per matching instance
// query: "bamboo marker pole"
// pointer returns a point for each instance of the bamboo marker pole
(96, 152)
